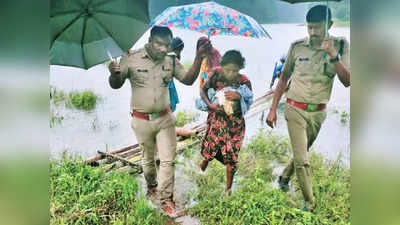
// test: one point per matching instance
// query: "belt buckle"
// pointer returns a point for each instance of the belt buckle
(153, 116)
(312, 107)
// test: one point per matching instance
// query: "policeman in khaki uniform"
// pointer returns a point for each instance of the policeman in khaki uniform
(312, 64)
(149, 71)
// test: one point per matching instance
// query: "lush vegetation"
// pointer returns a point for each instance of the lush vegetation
(80, 194)
(255, 201)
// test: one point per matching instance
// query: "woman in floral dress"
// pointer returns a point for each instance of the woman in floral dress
(225, 133)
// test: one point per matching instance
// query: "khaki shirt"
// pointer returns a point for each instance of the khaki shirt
(305, 65)
(149, 80)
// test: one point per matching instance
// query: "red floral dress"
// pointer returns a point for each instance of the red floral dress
(224, 134)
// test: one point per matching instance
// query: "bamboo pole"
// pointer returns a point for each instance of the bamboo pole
(129, 152)
(100, 156)
(123, 160)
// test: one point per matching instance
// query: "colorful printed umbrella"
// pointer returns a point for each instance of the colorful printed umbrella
(211, 18)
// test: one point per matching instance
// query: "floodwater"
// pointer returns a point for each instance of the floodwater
(108, 125)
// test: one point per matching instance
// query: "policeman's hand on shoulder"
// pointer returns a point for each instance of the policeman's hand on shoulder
(328, 47)
(114, 68)
(271, 118)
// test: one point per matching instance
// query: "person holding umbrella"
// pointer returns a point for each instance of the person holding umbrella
(149, 71)
(312, 63)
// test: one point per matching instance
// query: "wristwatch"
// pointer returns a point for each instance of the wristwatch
(337, 59)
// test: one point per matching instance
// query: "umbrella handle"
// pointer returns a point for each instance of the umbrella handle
(326, 19)
(326, 24)
(109, 56)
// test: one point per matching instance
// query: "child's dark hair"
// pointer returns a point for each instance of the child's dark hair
(233, 56)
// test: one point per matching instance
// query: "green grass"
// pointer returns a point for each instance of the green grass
(80, 194)
(254, 201)
(184, 117)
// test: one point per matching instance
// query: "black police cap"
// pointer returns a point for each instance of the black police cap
(318, 14)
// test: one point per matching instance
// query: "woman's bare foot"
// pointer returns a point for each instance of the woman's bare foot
(203, 165)
(227, 193)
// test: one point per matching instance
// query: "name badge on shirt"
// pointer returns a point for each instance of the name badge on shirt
(304, 59)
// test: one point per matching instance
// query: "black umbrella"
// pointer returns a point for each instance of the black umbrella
(85, 33)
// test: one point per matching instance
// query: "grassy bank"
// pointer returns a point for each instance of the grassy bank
(80, 194)
(255, 201)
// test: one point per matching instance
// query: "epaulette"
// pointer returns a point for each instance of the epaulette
(134, 52)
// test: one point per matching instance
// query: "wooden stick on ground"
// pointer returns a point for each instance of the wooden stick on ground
(125, 161)
(100, 156)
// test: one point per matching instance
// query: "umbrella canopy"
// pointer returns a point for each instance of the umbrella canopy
(83, 32)
(211, 18)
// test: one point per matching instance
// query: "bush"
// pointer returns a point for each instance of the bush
(85, 100)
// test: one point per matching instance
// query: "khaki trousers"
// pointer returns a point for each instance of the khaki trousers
(303, 129)
(152, 135)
